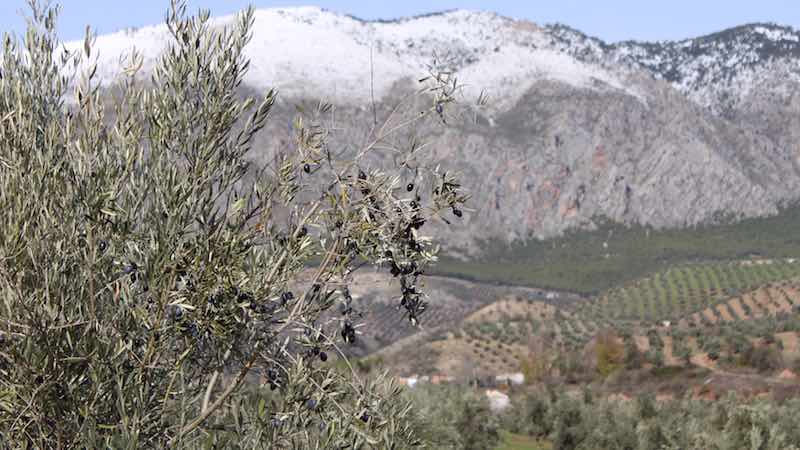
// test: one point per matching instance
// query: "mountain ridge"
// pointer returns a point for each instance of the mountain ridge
(668, 134)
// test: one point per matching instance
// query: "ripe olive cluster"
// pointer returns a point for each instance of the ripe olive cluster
(448, 193)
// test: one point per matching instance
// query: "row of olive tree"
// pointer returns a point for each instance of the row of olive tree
(571, 422)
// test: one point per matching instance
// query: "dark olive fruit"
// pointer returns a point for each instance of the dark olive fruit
(244, 296)
(102, 246)
(311, 404)
(457, 212)
(362, 175)
(410, 187)
(365, 417)
(323, 356)
(303, 232)
(315, 351)
(408, 269)
(348, 333)
(286, 296)
(439, 108)
(306, 168)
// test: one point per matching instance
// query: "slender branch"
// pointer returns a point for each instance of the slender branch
(214, 377)
(218, 402)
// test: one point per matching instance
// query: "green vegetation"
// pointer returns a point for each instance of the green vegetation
(152, 274)
(579, 262)
(513, 441)
(584, 422)
(454, 417)
(681, 290)
(548, 417)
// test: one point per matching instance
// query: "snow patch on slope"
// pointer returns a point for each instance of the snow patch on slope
(308, 51)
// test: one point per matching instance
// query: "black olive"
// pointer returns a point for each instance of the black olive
(102, 246)
(311, 404)
(348, 333)
(361, 175)
(303, 232)
(306, 168)
(175, 312)
(323, 356)
(439, 108)
(457, 212)
(365, 417)
(245, 297)
(286, 296)
(410, 187)
(315, 351)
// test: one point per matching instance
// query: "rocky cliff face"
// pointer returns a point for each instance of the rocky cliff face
(667, 134)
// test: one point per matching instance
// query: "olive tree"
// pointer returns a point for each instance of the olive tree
(150, 272)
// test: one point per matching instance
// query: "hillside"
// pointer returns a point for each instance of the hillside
(743, 328)
(666, 135)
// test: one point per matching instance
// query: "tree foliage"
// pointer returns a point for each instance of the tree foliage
(149, 271)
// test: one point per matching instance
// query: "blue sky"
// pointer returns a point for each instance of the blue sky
(612, 20)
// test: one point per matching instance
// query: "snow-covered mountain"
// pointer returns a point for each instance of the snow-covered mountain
(717, 71)
(667, 134)
(314, 52)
